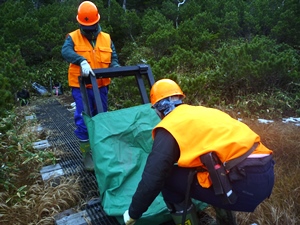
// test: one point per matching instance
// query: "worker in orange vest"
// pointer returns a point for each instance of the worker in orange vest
(88, 48)
(203, 154)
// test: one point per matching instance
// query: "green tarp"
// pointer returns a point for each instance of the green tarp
(121, 141)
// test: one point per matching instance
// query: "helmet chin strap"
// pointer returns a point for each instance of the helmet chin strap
(161, 116)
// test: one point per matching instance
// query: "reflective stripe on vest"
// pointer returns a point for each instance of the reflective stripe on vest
(97, 57)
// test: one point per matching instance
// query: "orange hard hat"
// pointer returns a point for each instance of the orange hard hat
(87, 14)
(164, 88)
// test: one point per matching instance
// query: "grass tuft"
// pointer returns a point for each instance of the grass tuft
(283, 206)
(43, 200)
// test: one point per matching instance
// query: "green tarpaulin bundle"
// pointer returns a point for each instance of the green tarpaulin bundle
(120, 142)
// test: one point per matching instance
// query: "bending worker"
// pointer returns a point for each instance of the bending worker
(204, 154)
(88, 48)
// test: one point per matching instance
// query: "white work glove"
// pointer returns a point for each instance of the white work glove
(127, 219)
(86, 69)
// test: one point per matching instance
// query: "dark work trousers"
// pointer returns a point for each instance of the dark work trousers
(81, 130)
(251, 190)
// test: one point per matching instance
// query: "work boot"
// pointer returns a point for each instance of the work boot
(191, 217)
(225, 217)
(85, 149)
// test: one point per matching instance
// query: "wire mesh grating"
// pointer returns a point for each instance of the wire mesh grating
(60, 122)
(55, 117)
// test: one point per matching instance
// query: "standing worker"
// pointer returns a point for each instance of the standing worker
(204, 154)
(88, 48)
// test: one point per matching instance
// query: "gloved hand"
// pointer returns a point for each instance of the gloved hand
(127, 219)
(86, 69)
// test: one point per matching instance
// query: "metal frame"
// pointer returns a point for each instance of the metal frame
(137, 71)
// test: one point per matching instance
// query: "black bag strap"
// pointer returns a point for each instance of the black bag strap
(233, 162)
(191, 176)
(218, 175)
(209, 162)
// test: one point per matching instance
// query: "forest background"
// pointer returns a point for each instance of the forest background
(242, 55)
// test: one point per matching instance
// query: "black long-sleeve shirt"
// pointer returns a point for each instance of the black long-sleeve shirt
(165, 152)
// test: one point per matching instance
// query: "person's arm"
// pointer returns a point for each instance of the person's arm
(114, 57)
(165, 152)
(69, 54)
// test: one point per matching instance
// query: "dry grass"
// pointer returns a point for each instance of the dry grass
(43, 200)
(283, 207)
(24, 197)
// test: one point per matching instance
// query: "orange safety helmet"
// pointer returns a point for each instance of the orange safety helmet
(87, 14)
(164, 88)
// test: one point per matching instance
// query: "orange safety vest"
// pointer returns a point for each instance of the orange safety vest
(97, 57)
(199, 130)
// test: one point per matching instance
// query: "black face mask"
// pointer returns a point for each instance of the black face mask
(89, 29)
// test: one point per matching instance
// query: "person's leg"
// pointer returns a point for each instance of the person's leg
(180, 210)
(174, 193)
(103, 91)
(104, 97)
(81, 131)
(175, 190)
(251, 190)
(254, 188)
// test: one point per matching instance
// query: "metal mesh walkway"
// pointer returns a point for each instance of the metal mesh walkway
(55, 117)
